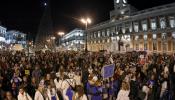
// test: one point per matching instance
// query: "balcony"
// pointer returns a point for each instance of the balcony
(73, 38)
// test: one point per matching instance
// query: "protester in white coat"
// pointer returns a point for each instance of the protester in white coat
(67, 84)
(39, 93)
(23, 95)
(124, 92)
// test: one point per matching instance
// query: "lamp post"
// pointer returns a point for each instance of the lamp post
(28, 47)
(60, 34)
(120, 34)
(53, 42)
(86, 22)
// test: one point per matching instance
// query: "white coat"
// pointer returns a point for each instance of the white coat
(123, 95)
(65, 86)
(38, 96)
(24, 96)
(58, 84)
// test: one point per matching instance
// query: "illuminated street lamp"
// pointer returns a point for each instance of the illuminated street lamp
(60, 33)
(48, 40)
(53, 38)
(86, 22)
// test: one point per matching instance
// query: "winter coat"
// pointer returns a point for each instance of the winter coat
(123, 95)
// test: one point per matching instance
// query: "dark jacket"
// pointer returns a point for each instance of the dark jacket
(133, 90)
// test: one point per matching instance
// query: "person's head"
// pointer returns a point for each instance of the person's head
(48, 77)
(33, 80)
(40, 88)
(80, 90)
(21, 89)
(36, 67)
(8, 95)
(25, 79)
(125, 86)
(154, 70)
(152, 77)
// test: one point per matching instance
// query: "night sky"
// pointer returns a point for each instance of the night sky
(25, 15)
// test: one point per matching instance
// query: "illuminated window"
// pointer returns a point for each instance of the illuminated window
(123, 1)
(116, 32)
(108, 41)
(154, 36)
(130, 28)
(144, 27)
(94, 34)
(136, 37)
(173, 35)
(103, 33)
(98, 33)
(153, 24)
(112, 31)
(162, 23)
(81, 34)
(145, 37)
(108, 32)
(164, 35)
(172, 22)
(136, 27)
(123, 29)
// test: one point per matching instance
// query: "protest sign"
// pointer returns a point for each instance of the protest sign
(108, 71)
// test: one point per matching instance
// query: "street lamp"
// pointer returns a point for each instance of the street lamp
(60, 34)
(120, 34)
(86, 22)
(29, 43)
(48, 40)
(53, 41)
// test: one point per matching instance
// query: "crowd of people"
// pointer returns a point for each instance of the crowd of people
(74, 75)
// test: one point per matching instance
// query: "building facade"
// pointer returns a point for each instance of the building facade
(73, 40)
(151, 30)
(2, 36)
(15, 37)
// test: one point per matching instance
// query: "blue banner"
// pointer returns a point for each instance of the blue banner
(108, 71)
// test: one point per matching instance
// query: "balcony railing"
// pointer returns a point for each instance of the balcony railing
(73, 38)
